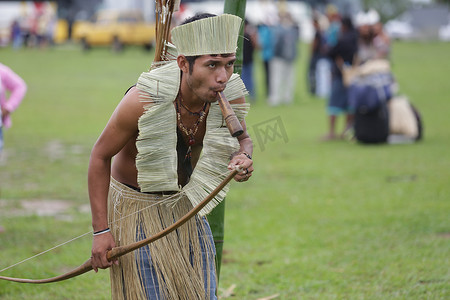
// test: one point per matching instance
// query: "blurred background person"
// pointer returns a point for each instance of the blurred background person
(342, 54)
(366, 50)
(265, 44)
(267, 20)
(330, 26)
(1, 133)
(282, 66)
(332, 33)
(373, 42)
(1, 146)
(12, 84)
(12, 91)
(16, 35)
(250, 44)
(381, 42)
(316, 53)
(373, 84)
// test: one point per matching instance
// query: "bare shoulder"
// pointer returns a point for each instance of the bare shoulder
(122, 127)
(131, 100)
(130, 108)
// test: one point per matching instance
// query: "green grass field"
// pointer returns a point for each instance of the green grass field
(335, 220)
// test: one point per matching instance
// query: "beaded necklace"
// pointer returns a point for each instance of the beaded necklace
(191, 132)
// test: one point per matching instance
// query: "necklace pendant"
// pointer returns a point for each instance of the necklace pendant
(188, 155)
(191, 141)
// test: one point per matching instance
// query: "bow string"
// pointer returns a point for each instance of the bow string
(122, 250)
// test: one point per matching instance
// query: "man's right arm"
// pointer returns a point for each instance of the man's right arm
(121, 127)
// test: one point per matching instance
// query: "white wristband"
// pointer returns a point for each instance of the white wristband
(101, 231)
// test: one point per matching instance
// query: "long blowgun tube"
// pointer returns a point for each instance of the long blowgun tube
(233, 124)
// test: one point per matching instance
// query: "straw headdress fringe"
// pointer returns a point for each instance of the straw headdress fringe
(177, 257)
(215, 35)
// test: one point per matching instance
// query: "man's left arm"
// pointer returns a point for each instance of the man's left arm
(243, 157)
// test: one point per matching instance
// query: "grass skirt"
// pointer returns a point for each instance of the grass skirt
(182, 261)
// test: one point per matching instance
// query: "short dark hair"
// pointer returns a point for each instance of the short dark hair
(196, 17)
(191, 61)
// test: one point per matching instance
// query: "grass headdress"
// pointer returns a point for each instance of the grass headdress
(213, 35)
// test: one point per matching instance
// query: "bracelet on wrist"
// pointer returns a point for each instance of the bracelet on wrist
(246, 154)
(101, 231)
(239, 153)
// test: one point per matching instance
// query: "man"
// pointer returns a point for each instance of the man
(170, 149)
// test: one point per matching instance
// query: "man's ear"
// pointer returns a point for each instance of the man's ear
(183, 64)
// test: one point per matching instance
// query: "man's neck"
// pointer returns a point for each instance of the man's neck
(189, 98)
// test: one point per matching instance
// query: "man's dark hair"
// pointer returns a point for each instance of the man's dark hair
(196, 17)
(191, 61)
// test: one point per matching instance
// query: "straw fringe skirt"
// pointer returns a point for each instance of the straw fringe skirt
(178, 266)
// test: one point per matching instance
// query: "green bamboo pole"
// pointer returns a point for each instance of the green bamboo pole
(215, 219)
(237, 7)
(217, 216)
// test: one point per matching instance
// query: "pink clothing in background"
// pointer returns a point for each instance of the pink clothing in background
(10, 81)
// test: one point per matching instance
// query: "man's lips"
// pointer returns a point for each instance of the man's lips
(219, 89)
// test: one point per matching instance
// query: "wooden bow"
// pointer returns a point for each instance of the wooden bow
(120, 251)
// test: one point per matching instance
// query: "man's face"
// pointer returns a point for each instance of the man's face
(210, 75)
